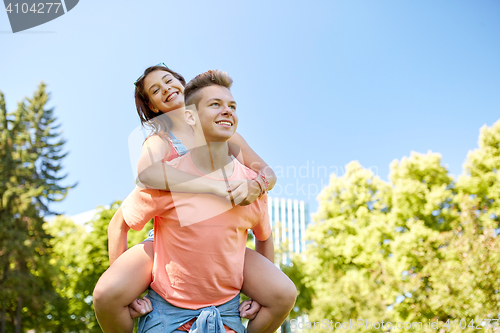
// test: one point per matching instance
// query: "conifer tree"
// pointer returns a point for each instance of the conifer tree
(46, 144)
(30, 180)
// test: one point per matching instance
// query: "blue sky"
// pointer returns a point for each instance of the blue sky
(318, 84)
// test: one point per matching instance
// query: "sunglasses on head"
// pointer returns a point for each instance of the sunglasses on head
(162, 64)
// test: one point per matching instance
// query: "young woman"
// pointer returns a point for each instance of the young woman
(160, 104)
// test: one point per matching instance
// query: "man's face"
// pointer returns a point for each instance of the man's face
(217, 113)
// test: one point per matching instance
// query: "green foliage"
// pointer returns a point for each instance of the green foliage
(80, 258)
(463, 272)
(29, 181)
(481, 178)
(296, 272)
(417, 248)
(250, 240)
(67, 242)
(349, 247)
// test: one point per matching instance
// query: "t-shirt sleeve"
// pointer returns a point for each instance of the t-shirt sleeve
(140, 206)
(262, 230)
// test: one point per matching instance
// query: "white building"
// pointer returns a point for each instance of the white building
(289, 220)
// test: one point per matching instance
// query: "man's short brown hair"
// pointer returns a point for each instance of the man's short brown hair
(192, 92)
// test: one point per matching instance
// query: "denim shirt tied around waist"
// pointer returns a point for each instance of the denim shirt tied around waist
(167, 318)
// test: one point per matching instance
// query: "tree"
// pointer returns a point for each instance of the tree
(66, 243)
(47, 146)
(345, 260)
(296, 272)
(422, 196)
(481, 178)
(417, 248)
(463, 274)
(29, 182)
(80, 257)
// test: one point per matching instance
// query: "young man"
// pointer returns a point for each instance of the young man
(200, 239)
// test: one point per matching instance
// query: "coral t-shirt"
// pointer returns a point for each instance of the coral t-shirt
(200, 239)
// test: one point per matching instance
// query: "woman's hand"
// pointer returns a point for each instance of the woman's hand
(249, 309)
(242, 192)
(221, 188)
(245, 193)
(139, 307)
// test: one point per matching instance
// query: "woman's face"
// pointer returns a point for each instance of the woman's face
(165, 92)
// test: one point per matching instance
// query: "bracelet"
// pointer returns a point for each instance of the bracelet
(264, 179)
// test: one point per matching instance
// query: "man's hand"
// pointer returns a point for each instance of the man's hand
(249, 309)
(139, 307)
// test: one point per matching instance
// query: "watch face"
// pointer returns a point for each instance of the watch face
(27, 14)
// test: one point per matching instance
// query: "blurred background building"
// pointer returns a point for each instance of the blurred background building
(289, 221)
